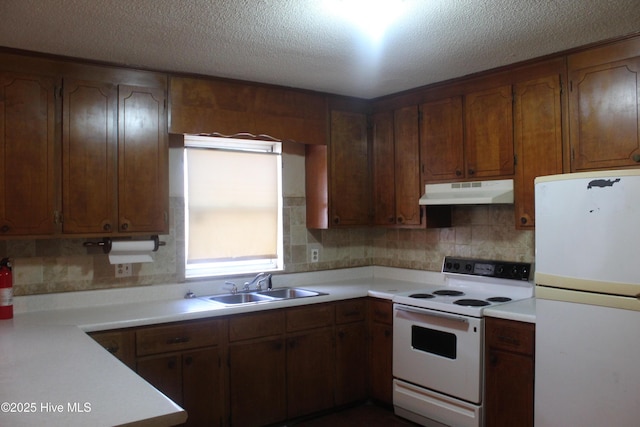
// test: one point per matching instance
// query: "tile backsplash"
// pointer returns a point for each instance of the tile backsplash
(62, 265)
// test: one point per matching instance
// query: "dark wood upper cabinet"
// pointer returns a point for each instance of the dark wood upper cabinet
(383, 160)
(89, 147)
(488, 140)
(441, 140)
(538, 140)
(604, 100)
(143, 164)
(349, 183)
(27, 163)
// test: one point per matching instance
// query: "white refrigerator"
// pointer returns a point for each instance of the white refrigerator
(587, 358)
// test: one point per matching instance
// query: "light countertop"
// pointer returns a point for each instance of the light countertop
(51, 368)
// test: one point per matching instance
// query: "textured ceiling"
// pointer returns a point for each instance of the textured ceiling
(299, 43)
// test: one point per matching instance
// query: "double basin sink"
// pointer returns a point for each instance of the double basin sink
(276, 294)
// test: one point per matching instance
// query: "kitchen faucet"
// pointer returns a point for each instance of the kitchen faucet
(258, 280)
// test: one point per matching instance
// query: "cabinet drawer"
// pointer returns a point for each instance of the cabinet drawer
(309, 317)
(256, 325)
(510, 335)
(381, 310)
(175, 337)
(350, 311)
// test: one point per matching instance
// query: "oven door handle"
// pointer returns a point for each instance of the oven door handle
(431, 313)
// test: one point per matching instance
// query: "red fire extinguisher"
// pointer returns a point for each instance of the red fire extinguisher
(6, 289)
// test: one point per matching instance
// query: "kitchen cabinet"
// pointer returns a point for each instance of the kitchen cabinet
(310, 363)
(143, 160)
(338, 186)
(396, 168)
(115, 159)
(349, 169)
(468, 137)
(351, 352)
(509, 372)
(27, 164)
(604, 98)
(538, 140)
(183, 361)
(381, 350)
(120, 343)
(200, 105)
(257, 368)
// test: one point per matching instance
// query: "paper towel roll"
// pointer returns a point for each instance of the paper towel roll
(134, 251)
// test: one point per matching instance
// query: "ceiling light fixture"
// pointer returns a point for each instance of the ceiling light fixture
(373, 17)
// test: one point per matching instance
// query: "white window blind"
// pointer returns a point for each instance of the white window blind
(233, 206)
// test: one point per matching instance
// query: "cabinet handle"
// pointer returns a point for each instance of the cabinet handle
(636, 158)
(177, 340)
(112, 349)
(508, 340)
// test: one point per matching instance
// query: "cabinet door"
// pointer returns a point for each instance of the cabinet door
(381, 353)
(310, 372)
(382, 153)
(441, 140)
(257, 383)
(488, 145)
(143, 169)
(538, 141)
(164, 373)
(349, 169)
(27, 172)
(119, 343)
(509, 389)
(351, 372)
(89, 157)
(407, 166)
(201, 384)
(603, 109)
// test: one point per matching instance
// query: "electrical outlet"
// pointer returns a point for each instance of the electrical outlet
(123, 270)
(315, 255)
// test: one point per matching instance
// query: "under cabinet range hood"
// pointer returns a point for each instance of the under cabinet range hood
(469, 193)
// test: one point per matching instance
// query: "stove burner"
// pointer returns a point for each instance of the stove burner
(424, 296)
(449, 293)
(499, 299)
(471, 302)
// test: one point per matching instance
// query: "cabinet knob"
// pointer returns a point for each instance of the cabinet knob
(458, 172)
(523, 220)
(636, 158)
(336, 220)
(4, 228)
(188, 360)
(400, 220)
(472, 172)
(106, 227)
(391, 220)
(125, 226)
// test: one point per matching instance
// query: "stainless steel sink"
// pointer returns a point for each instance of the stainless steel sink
(242, 298)
(277, 294)
(288, 293)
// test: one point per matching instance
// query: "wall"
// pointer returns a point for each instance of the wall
(61, 265)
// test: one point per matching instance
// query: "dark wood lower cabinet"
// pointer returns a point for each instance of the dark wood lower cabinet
(351, 366)
(192, 380)
(257, 382)
(381, 351)
(509, 373)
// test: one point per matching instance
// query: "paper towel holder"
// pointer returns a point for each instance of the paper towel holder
(106, 243)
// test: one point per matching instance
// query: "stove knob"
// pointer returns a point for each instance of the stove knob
(500, 271)
(468, 267)
(456, 266)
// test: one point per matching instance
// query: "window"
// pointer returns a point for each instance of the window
(233, 192)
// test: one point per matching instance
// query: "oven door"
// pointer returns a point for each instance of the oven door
(439, 351)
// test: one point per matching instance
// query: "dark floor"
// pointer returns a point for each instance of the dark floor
(368, 415)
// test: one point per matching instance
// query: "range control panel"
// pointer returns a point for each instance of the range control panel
(487, 268)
